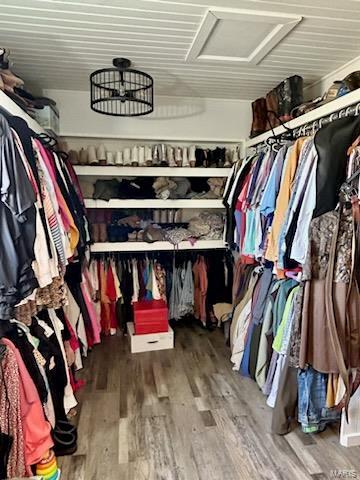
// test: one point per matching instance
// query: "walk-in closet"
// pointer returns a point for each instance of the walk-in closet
(180, 240)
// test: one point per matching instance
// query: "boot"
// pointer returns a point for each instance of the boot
(259, 117)
(142, 162)
(170, 156)
(127, 156)
(272, 110)
(192, 157)
(148, 155)
(92, 158)
(178, 156)
(156, 156)
(73, 157)
(110, 158)
(119, 160)
(185, 158)
(102, 232)
(163, 159)
(135, 156)
(95, 232)
(83, 157)
(290, 95)
(101, 154)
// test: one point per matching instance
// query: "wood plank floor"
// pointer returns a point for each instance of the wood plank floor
(183, 414)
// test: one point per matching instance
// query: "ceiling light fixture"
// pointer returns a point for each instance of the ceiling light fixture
(122, 91)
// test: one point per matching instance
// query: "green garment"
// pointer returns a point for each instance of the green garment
(277, 343)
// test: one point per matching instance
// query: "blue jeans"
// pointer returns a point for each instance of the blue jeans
(312, 411)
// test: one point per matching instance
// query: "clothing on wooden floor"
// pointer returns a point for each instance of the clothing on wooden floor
(301, 307)
(190, 284)
(47, 319)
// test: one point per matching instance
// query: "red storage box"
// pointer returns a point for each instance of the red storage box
(150, 317)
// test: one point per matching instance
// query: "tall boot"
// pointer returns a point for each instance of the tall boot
(259, 117)
(290, 95)
(272, 109)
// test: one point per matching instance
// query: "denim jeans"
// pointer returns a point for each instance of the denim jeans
(312, 412)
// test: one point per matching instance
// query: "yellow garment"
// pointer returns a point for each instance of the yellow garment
(283, 198)
(74, 235)
(332, 386)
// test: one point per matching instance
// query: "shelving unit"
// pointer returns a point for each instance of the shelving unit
(155, 203)
(114, 171)
(191, 205)
(156, 246)
(11, 107)
(336, 105)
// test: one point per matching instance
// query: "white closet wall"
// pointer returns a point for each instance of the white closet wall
(175, 118)
(319, 88)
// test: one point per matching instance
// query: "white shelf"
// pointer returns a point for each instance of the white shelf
(14, 109)
(327, 109)
(152, 138)
(153, 247)
(113, 171)
(155, 203)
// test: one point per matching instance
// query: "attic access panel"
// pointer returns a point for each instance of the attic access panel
(239, 35)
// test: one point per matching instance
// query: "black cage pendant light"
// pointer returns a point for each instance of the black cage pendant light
(122, 91)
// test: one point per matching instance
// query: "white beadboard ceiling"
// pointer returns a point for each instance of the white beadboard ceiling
(58, 43)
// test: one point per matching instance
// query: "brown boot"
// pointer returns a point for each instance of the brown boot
(290, 95)
(259, 117)
(272, 109)
(103, 232)
(96, 232)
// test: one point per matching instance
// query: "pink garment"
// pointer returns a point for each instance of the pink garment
(74, 341)
(49, 162)
(91, 311)
(36, 429)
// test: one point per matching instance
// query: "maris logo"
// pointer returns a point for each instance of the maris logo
(344, 474)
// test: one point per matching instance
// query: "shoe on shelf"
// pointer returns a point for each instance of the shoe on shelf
(178, 156)
(95, 230)
(73, 157)
(185, 158)
(170, 154)
(110, 158)
(102, 232)
(142, 162)
(83, 156)
(101, 154)
(156, 156)
(132, 236)
(92, 157)
(192, 157)
(119, 159)
(135, 156)
(148, 155)
(163, 158)
(164, 216)
(127, 157)
(156, 216)
(153, 234)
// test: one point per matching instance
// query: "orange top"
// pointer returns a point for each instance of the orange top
(282, 201)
